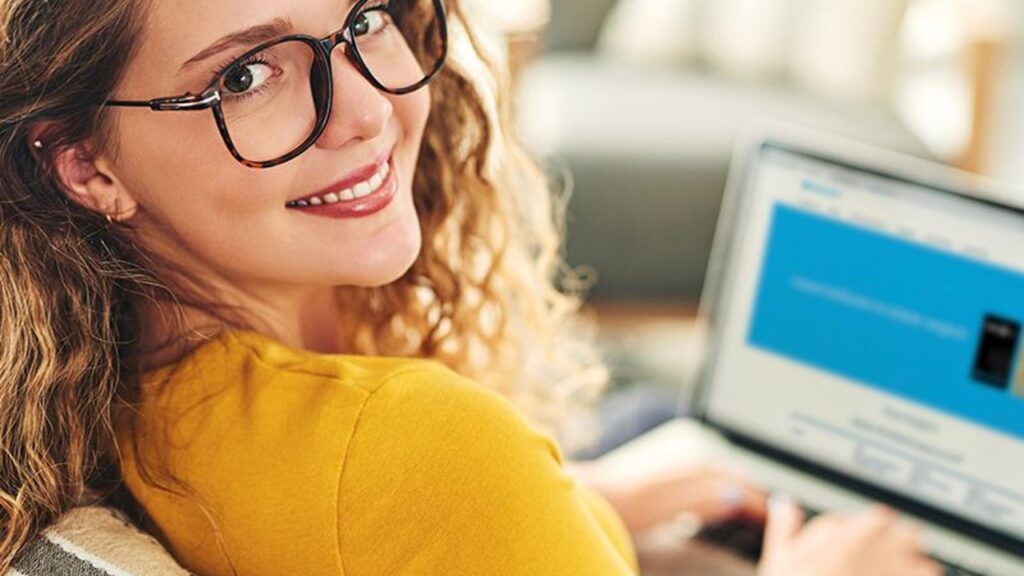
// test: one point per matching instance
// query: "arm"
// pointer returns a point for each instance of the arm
(643, 501)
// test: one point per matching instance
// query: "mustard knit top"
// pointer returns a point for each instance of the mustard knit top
(279, 461)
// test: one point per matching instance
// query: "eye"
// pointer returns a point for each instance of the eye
(371, 21)
(247, 77)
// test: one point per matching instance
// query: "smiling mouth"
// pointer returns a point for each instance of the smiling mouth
(355, 192)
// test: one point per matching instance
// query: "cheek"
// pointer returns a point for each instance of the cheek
(178, 162)
(412, 112)
(197, 201)
(171, 138)
(172, 161)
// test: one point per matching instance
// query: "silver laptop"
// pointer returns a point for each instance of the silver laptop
(867, 312)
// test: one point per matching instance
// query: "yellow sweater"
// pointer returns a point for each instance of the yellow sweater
(312, 464)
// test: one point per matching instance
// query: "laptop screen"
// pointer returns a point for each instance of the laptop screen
(874, 326)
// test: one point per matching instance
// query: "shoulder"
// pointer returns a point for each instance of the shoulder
(246, 366)
(244, 395)
(430, 419)
(266, 436)
(436, 402)
(464, 485)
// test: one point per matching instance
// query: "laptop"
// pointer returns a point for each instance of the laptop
(865, 313)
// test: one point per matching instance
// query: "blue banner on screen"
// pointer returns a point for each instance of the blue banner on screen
(933, 327)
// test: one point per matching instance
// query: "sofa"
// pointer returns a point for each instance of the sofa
(645, 143)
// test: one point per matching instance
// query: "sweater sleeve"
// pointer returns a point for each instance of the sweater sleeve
(443, 476)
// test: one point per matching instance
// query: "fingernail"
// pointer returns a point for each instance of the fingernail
(780, 501)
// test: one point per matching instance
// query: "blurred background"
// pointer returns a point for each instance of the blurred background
(635, 105)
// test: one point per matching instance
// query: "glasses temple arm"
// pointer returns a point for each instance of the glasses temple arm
(186, 102)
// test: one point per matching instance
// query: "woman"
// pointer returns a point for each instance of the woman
(246, 251)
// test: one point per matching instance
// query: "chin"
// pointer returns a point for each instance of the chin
(378, 278)
(382, 267)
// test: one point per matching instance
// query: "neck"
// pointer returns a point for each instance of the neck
(304, 318)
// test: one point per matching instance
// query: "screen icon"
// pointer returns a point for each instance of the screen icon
(996, 350)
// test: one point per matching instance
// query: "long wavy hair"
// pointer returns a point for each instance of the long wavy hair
(490, 294)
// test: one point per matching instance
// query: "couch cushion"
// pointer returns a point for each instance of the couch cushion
(848, 48)
(750, 38)
(745, 38)
(585, 105)
(651, 31)
(839, 48)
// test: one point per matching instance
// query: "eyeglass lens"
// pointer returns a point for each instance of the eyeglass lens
(273, 101)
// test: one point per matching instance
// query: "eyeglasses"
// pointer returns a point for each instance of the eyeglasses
(273, 103)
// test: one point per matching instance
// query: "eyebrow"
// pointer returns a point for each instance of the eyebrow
(248, 37)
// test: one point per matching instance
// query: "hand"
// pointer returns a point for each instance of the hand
(707, 493)
(873, 542)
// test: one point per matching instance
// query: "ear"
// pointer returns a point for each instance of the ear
(88, 181)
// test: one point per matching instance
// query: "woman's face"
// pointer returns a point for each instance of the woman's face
(217, 217)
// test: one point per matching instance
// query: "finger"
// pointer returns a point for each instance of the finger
(907, 535)
(907, 540)
(710, 494)
(721, 499)
(872, 523)
(747, 500)
(717, 495)
(827, 528)
(785, 520)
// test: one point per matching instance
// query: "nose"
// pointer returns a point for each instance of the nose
(359, 111)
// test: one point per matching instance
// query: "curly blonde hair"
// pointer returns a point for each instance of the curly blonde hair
(490, 294)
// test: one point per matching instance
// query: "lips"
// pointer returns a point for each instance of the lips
(354, 186)
(358, 191)
(332, 206)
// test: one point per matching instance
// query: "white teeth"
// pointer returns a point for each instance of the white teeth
(361, 190)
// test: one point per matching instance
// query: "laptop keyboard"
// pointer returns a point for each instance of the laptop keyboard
(744, 537)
